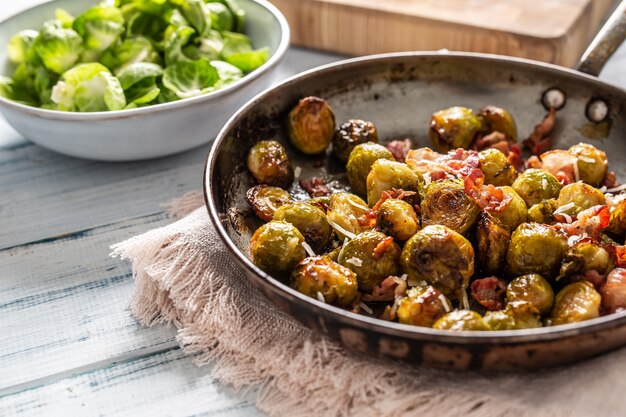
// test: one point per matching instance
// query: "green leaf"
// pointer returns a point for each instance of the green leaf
(238, 13)
(228, 73)
(43, 83)
(135, 73)
(19, 45)
(131, 51)
(221, 16)
(249, 61)
(189, 79)
(147, 25)
(66, 19)
(154, 7)
(100, 27)
(88, 88)
(195, 13)
(174, 44)
(58, 48)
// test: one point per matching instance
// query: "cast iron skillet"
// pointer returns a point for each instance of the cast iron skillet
(399, 92)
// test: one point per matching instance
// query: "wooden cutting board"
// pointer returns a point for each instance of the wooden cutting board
(556, 31)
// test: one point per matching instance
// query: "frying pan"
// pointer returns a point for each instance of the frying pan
(399, 92)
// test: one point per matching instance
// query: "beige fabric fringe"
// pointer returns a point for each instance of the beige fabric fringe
(184, 276)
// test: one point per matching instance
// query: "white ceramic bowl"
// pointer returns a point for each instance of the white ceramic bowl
(151, 131)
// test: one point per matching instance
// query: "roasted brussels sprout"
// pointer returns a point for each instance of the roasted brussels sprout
(422, 306)
(265, 199)
(614, 291)
(592, 163)
(446, 203)
(344, 212)
(269, 164)
(276, 248)
(586, 256)
(581, 196)
(453, 128)
(311, 125)
(496, 119)
(321, 203)
(532, 289)
(321, 275)
(617, 222)
(512, 211)
(441, 257)
(516, 315)
(575, 302)
(535, 249)
(350, 134)
(458, 320)
(492, 242)
(536, 185)
(397, 219)
(372, 256)
(386, 174)
(310, 221)
(496, 167)
(360, 162)
(543, 212)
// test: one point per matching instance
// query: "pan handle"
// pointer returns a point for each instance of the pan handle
(605, 43)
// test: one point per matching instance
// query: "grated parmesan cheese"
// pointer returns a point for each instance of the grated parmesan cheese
(465, 301)
(308, 249)
(269, 204)
(427, 179)
(320, 297)
(297, 171)
(366, 308)
(341, 230)
(343, 248)
(544, 183)
(445, 303)
(616, 189)
(564, 208)
(359, 206)
(403, 277)
(587, 159)
(355, 261)
(576, 173)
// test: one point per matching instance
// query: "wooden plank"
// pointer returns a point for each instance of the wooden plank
(163, 384)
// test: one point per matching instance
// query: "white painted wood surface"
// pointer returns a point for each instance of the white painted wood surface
(68, 345)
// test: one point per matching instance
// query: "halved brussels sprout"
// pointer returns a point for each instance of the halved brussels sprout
(446, 203)
(344, 212)
(385, 175)
(276, 248)
(585, 256)
(321, 275)
(459, 320)
(581, 195)
(543, 212)
(269, 163)
(350, 134)
(311, 125)
(360, 162)
(536, 249)
(496, 167)
(310, 221)
(265, 200)
(372, 256)
(516, 315)
(453, 128)
(536, 185)
(532, 289)
(397, 218)
(496, 119)
(492, 243)
(422, 306)
(441, 257)
(187, 79)
(58, 48)
(19, 45)
(576, 302)
(512, 211)
(592, 163)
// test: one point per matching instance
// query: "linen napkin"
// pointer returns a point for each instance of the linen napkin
(184, 276)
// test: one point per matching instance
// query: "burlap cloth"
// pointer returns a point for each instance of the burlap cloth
(185, 277)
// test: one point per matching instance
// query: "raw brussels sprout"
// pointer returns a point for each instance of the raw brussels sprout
(535, 249)
(310, 221)
(592, 163)
(19, 45)
(372, 256)
(321, 275)
(614, 291)
(512, 211)
(58, 48)
(585, 256)
(575, 302)
(422, 306)
(532, 289)
(100, 27)
(350, 134)
(581, 195)
(446, 203)
(543, 212)
(186, 79)
(536, 185)
(496, 119)
(496, 167)
(492, 242)
(265, 199)
(441, 257)
(387, 174)
(269, 164)
(396, 218)
(453, 128)
(344, 212)
(276, 248)
(311, 125)
(238, 51)
(617, 221)
(458, 320)
(516, 315)
(360, 162)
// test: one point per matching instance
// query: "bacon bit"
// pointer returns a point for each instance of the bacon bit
(486, 196)
(538, 142)
(534, 162)
(614, 292)
(400, 148)
(561, 164)
(382, 247)
(610, 181)
(386, 291)
(489, 292)
(368, 219)
(590, 222)
(316, 187)
(395, 193)
(596, 278)
(490, 141)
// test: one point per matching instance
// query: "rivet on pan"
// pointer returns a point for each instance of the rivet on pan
(597, 110)
(553, 98)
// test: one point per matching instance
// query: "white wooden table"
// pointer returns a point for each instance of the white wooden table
(68, 344)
